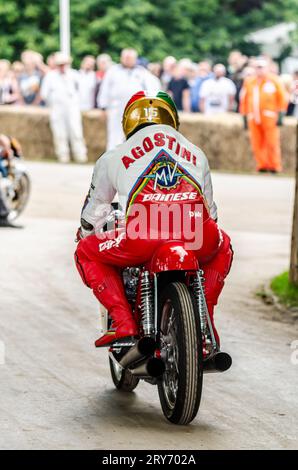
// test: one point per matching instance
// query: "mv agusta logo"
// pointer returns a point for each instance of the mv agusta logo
(166, 174)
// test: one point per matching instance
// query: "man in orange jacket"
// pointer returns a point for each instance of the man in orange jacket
(262, 102)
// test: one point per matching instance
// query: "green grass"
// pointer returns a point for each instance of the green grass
(284, 290)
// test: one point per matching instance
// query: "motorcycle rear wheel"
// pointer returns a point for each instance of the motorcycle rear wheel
(180, 387)
(122, 379)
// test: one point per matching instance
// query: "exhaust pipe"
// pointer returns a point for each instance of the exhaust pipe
(143, 348)
(152, 367)
(219, 362)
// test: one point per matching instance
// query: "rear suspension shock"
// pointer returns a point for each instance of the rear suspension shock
(147, 304)
(199, 293)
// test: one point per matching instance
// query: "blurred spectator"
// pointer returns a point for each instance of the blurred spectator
(262, 101)
(155, 69)
(273, 67)
(287, 81)
(248, 71)
(30, 79)
(189, 70)
(179, 88)
(41, 67)
(103, 63)
(17, 69)
(119, 84)
(60, 92)
(9, 90)
(87, 83)
(217, 95)
(168, 67)
(143, 62)
(203, 73)
(51, 62)
(237, 63)
(293, 96)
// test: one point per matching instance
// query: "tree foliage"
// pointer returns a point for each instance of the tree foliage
(183, 28)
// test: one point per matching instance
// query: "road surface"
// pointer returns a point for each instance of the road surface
(55, 388)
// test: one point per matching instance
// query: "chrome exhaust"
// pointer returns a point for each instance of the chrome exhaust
(152, 367)
(219, 362)
(143, 348)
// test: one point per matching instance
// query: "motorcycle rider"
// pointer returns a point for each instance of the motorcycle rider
(6, 152)
(156, 166)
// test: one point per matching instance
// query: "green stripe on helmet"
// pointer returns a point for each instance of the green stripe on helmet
(164, 96)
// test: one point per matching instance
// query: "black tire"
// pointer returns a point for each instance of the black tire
(181, 405)
(123, 380)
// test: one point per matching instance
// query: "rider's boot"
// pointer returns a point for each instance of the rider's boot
(4, 222)
(110, 293)
(210, 307)
(4, 213)
(107, 286)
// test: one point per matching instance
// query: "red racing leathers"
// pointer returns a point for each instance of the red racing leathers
(163, 183)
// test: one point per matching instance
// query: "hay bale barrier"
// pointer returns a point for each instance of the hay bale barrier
(222, 137)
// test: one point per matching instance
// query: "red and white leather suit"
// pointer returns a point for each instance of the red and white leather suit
(130, 172)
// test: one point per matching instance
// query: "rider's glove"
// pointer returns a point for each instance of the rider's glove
(78, 235)
(115, 215)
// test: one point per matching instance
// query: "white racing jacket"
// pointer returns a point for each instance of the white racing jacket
(158, 155)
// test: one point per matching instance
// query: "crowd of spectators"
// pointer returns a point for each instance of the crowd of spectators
(195, 87)
(200, 87)
(20, 81)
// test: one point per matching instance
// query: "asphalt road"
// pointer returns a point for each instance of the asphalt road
(55, 388)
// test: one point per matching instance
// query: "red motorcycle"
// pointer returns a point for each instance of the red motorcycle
(177, 343)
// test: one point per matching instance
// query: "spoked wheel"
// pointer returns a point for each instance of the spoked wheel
(123, 379)
(180, 387)
(21, 190)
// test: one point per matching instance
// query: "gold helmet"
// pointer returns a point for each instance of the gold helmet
(142, 110)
